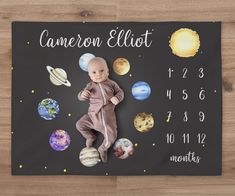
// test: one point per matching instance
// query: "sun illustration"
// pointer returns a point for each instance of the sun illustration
(184, 42)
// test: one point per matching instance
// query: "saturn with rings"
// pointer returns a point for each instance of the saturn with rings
(58, 76)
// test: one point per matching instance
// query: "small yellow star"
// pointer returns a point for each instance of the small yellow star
(45, 167)
(144, 170)
(65, 170)
(136, 145)
(32, 91)
(69, 114)
(20, 166)
(153, 144)
(130, 75)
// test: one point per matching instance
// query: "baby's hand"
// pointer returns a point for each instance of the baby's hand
(85, 94)
(114, 100)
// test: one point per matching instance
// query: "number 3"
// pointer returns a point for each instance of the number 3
(201, 74)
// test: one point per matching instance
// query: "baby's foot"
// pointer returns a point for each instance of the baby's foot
(90, 141)
(103, 155)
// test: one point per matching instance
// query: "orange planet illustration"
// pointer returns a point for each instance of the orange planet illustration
(144, 122)
(121, 66)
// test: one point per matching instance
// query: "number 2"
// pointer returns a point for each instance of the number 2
(185, 70)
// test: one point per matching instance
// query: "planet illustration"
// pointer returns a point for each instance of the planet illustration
(141, 90)
(48, 109)
(58, 76)
(89, 156)
(121, 66)
(123, 148)
(84, 60)
(184, 42)
(59, 140)
(143, 122)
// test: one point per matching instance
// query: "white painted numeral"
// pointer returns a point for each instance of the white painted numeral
(185, 119)
(201, 116)
(168, 94)
(185, 94)
(169, 115)
(169, 72)
(185, 70)
(201, 74)
(170, 138)
(201, 137)
(202, 95)
(186, 138)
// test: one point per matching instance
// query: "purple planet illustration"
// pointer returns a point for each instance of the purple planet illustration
(59, 140)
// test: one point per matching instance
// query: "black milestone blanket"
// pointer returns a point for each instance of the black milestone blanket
(169, 123)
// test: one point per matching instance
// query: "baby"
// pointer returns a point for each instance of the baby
(103, 94)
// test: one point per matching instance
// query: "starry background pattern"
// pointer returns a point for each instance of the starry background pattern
(31, 152)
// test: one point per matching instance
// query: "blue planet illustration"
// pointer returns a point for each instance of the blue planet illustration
(48, 109)
(141, 90)
(59, 140)
(84, 60)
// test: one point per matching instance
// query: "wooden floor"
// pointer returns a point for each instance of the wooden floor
(120, 10)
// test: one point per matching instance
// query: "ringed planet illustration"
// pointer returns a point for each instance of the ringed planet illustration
(58, 76)
(89, 156)
(84, 60)
(59, 140)
(121, 66)
(144, 122)
(184, 42)
(141, 90)
(123, 148)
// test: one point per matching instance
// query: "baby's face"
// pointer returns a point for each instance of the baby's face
(98, 72)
